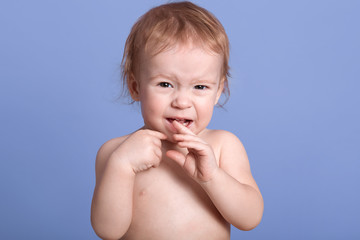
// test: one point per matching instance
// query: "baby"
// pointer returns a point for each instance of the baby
(174, 178)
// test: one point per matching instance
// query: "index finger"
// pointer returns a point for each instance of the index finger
(182, 129)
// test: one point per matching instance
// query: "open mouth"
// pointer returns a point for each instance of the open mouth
(184, 122)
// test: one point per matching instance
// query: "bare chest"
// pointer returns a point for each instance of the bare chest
(167, 201)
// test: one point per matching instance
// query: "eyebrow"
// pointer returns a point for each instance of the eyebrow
(173, 77)
(169, 77)
(204, 81)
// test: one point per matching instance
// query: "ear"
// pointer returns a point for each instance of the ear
(219, 91)
(134, 87)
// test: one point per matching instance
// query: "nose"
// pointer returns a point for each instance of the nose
(181, 100)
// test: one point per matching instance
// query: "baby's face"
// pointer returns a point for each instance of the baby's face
(181, 84)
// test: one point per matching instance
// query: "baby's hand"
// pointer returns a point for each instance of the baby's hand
(141, 150)
(200, 162)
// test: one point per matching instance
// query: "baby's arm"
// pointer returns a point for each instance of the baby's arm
(117, 163)
(230, 185)
(111, 209)
(232, 189)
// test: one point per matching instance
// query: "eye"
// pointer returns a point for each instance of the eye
(165, 84)
(201, 87)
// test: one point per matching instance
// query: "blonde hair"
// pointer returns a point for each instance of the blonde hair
(166, 25)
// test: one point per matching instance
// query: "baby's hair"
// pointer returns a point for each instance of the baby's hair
(165, 26)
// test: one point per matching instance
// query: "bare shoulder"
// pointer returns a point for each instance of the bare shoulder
(109, 146)
(229, 146)
(224, 139)
(105, 152)
(233, 156)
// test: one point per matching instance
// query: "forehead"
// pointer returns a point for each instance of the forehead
(185, 61)
(153, 46)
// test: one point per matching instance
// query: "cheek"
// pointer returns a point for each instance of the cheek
(151, 104)
(205, 109)
(208, 101)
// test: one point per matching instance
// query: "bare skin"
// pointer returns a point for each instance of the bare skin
(174, 178)
(164, 201)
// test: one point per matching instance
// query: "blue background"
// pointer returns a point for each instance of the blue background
(294, 103)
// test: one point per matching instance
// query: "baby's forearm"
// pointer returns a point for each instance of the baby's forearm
(240, 204)
(111, 210)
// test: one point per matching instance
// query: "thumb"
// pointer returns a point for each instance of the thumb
(176, 156)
